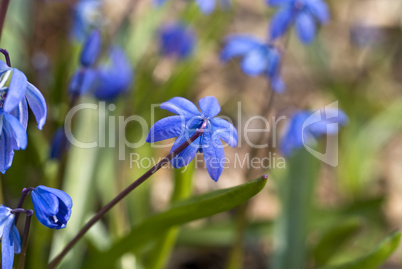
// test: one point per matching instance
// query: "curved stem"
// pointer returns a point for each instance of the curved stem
(24, 193)
(7, 56)
(124, 193)
(21, 263)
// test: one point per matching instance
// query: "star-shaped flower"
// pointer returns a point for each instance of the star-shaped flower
(306, 126)
(185, 124)
(303, 13)
(10, 238)
(258, 58)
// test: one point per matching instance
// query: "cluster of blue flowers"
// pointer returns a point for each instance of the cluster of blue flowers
(52, 208)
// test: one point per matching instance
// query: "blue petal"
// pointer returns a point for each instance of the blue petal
(185, 157)
(206, 6)
(214, 154)
(293, 136)
(255, 62)
(4, 215)
(7, 146)
(114, 79)
(19, 132)
(16, 240)
(7, 245)
(209, 106)
(238, 45)
(83, 81)
(166, 128)
(280, 22)
(91, 49)
(64, 197)
(46, 204)
(16, 91)
(37, 104)
(275, 3)
(3, 67)
(21, 113)
(181, 106)
(59, 144)
(319, 9)
(305, 27)
(177, 39)
(274, 62)
(225, 130)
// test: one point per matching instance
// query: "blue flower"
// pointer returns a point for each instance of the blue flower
(52, 206)
(185, 124)
(305, 127)
(59, 144)
(115, 78)
(106, 81)
(15, 91)
(10, 238)
(87, 15)
(258, 58)
(177, 40)
(303, 13)
(91, 49)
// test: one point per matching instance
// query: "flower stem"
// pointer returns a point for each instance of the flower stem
(3, 12)
(21, 263)
(124, 193)
(24, 193)
(7, 56)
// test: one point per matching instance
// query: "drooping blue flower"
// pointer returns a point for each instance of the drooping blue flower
(106, 81)
(115, 77)
(206, 6)
(302, 13)
(185, 124)
(52, 206)
(87, 15)
(304, 127)
(15, 91)
(177, 39)
(59, 144)
(91, 49)
(10, 238)
(258, 58)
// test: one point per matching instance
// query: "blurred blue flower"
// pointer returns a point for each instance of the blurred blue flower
(185, 124)
(303, 13)
(91, 49)
(206, 6)
(305, 127)
(177, 39)
(87, 15)
(59, 144)
(10, 238)
(106, 81)
(114, 78)
(52, 206)
(15, 91)
(258, 58)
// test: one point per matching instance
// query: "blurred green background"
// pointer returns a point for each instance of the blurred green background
(309, 215)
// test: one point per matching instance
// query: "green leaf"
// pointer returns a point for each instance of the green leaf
(182, 212)
(377, 257)
(334, 239)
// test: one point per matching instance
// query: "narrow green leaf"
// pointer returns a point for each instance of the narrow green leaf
(377, 257)
(334, 239)
(182, 212)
